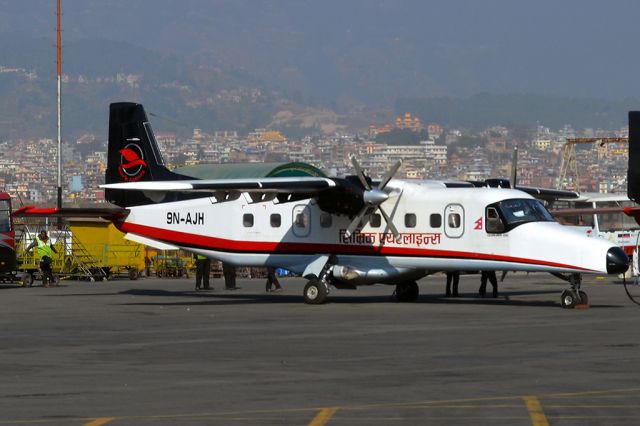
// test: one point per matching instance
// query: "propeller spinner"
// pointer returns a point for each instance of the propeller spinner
(373, 198)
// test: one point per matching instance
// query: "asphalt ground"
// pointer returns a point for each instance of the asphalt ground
(154, 351)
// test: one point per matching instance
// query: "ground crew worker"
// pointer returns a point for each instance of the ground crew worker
(229, 272)
(203, 270)
(491, 276)
(272, 280)
(45, 251)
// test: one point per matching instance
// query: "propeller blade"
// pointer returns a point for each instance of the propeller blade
(390, 224)
(356, 221)
(360, 173)
(387, 177)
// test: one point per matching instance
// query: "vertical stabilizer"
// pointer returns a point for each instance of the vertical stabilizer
(133, 154)
(633, 173)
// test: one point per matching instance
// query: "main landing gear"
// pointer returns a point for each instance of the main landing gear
(315, 292)
(407, 291)
(317, 289)
(573, 296)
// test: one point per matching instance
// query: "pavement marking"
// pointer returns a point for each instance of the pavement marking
(535, 411)
(323, 416)
(463, 403)
(100, 421)
(605, 393)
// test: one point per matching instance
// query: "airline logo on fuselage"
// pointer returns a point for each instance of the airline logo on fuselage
(132, 165)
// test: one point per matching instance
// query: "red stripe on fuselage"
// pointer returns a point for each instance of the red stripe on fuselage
(279, 247)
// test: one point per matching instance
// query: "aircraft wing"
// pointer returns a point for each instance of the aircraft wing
(80, 212)
(309, 185)
(548, 193)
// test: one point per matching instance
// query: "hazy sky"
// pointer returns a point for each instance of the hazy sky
(426, 48)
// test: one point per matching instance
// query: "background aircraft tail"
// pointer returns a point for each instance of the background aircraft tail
(133, 154)
(633, 173)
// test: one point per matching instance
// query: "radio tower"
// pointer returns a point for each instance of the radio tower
(59, 72)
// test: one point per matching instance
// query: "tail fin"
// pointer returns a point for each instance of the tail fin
(633, 173)
(133, 154)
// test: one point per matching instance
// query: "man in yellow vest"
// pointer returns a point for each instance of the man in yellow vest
(45, 251)
(203, 270)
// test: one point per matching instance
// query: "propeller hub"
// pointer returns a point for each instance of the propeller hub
(375, 197)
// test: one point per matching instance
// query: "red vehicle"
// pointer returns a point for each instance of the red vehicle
(7, 239)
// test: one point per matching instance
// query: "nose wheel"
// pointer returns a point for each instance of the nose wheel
(574, 296)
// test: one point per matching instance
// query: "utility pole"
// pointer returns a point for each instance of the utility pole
(59, 73)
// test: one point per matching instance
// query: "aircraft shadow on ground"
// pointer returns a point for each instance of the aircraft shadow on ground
(212, 298)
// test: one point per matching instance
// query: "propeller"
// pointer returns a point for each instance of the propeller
(373, 198)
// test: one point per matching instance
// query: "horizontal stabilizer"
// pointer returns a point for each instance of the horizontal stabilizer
(277, 185)
(69, 212)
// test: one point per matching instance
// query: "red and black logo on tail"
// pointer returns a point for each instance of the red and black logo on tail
(132, 165)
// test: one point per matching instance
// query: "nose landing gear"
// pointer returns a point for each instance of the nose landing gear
(572, 297)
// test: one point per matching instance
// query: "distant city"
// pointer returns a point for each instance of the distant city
(28, 167)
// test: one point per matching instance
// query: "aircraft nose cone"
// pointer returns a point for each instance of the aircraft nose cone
(617, 261)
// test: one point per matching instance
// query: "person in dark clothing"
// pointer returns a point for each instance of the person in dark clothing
(229, 272)
(491, 276)
(203, 271)
(272, 280)
(452, 277)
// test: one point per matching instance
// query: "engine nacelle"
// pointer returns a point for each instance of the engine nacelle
(355, 276)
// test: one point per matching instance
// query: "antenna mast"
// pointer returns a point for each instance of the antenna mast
(59, 73)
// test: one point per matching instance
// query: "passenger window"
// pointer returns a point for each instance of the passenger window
(301, 220)
(247, 220)
(375, 221)
(454, 220)
(276, 220)
(325, 220)
(435, 220)
(494, 223)
(410, 220)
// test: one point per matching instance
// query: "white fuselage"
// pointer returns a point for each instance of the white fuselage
(292, 235)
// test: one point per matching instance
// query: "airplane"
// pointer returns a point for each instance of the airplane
(338, 232)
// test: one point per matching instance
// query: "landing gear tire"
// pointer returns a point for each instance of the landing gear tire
(569, 299)
(584, 299)
(407, 292)
(315, 292)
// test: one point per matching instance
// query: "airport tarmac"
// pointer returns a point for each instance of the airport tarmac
(154, 351)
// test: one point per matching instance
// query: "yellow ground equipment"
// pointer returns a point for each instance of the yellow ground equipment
(173, 263)
(102, 243)
(28, 262)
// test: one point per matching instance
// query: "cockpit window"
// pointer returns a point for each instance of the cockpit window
(506, 215)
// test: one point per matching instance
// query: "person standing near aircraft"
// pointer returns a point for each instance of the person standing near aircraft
(229, 272)
(452, 277)
(45, 251)
(491, 276)
(273, 284)
(203, 270)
